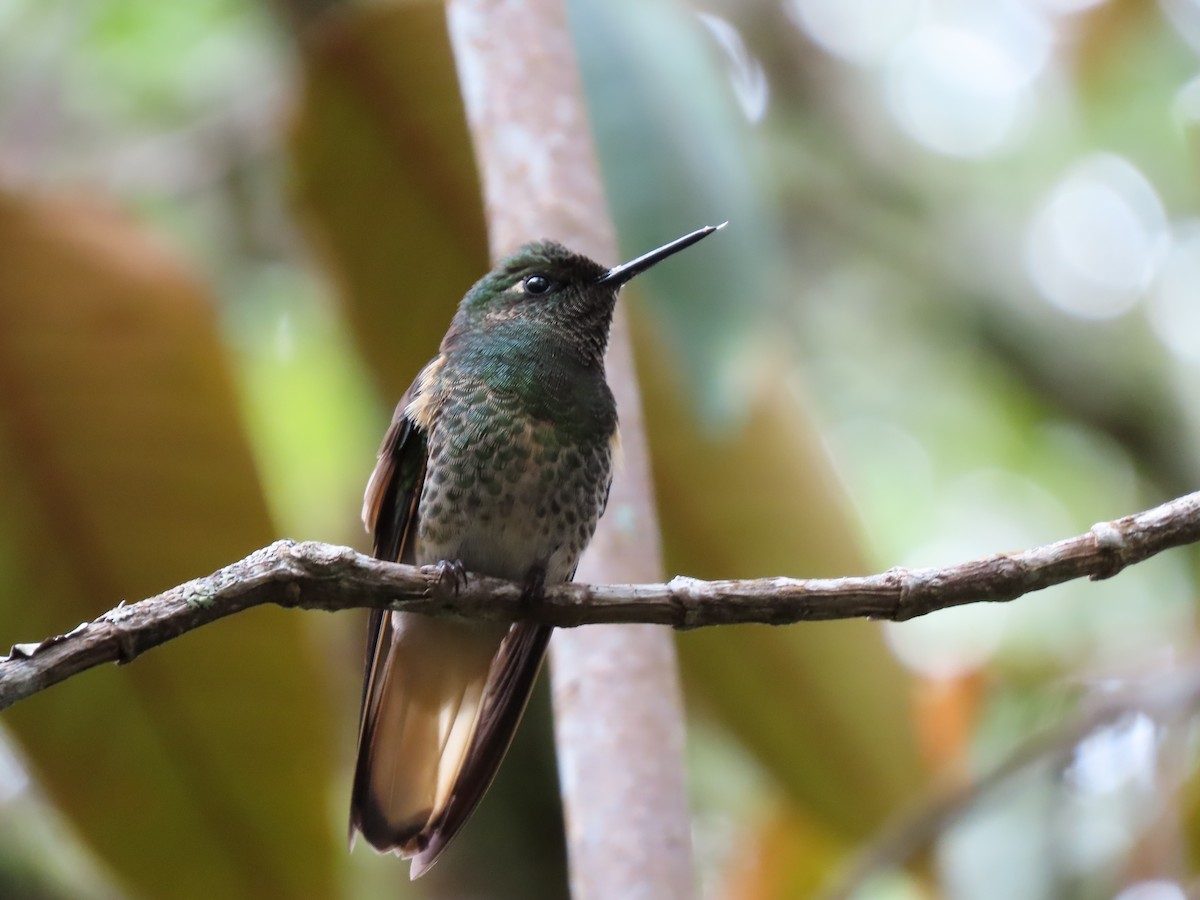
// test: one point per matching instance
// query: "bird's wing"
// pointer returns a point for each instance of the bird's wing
(441, 699)
(394, 490)
(390, 513)
(390, 510)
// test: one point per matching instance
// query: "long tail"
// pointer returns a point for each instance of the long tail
(440, 706)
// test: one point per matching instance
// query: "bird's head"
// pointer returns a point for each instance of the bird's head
(546, 283)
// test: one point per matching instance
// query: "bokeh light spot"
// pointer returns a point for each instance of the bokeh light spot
(1174, 304)
(948, 643)
(1066, 7)
(859, 31)
(1185, 16)
(1098, 238)
(1123, 753)
(956, 91)
(1153, 890)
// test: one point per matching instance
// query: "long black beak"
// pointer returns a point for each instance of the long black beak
(618, 275)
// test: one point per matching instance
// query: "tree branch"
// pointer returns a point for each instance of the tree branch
(321, 576)
(901, 839)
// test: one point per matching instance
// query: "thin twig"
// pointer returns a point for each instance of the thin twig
(321, 576)
(914, 829)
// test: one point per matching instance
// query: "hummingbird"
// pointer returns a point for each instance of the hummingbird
(498, 461)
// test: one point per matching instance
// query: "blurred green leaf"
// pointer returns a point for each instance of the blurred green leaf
(201, 770)
(676, 153)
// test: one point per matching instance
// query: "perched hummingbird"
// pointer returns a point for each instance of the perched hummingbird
(498, 460)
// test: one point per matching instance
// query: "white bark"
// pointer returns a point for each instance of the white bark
(618, 712)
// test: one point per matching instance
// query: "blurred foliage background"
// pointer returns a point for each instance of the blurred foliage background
(957, 312)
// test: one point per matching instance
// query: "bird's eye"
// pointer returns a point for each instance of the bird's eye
(536, 285)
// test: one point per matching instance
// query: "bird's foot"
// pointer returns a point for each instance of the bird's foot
(534, 589)
(451, 575)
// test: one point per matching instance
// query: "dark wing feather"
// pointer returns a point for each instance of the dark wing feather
(394, 490)
(390, 512)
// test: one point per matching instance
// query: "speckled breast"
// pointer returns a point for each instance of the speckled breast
(505, 492)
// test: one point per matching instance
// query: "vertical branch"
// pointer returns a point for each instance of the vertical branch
(619, 720)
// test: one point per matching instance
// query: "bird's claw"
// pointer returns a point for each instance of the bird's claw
(451, 575)
(534, 589)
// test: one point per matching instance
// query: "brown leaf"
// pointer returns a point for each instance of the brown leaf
(200, 770)
(386, 181)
